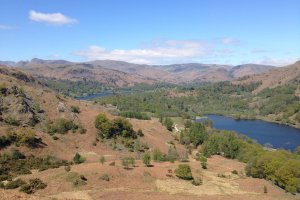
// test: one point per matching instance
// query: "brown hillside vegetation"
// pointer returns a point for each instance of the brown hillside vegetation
(117, 73)
(274, 77)
(92, 180)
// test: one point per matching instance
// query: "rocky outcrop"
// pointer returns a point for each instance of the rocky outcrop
(17, 108)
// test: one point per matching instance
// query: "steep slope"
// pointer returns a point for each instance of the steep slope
(248, 69)
(84, 71)
(274, 77)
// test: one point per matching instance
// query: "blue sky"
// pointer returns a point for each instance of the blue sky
(152, 31)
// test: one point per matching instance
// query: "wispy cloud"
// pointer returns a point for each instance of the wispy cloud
(162, 52)
(230, 41)
(51, 18)
(5, 27)
(277, 62)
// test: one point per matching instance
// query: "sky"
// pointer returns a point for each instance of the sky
(152, 31)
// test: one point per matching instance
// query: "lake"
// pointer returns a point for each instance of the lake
(93, 96)
(280, 136)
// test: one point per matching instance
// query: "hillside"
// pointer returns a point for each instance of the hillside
(43, 151)
(119, 74)
(274, 77)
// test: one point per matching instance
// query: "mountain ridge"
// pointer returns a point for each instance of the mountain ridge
(119, 73)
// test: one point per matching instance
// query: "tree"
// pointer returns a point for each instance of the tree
(172, 154)
(169, 124)
(197, 133)
(184, 172)
(147, 159)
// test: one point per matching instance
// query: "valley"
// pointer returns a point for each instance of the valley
(43, 123)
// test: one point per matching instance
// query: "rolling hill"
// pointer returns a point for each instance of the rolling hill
(274, 77)
(118, 74)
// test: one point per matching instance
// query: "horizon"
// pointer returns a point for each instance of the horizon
(230, 65)
(155, 33)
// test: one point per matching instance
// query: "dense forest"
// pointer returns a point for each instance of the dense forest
(279, 104)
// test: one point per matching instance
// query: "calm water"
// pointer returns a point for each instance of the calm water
(280, 136)
(93, 96)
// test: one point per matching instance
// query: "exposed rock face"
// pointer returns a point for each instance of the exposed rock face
(17, 108)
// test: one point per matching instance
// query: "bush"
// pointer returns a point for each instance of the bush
(112, 129)
(68, 168)
(204, 165)
(169, 124)
(158, 156)
(265, 189)
(127, 162)
(22, 136)
(61, 126)
(184, 172)
(235, 172)
(105, 177)
(75, 109)
(147, 159)
(33, 186)
(197, 181)
(172, 154)
(136, 115)
(14, 184)
(78, 159)
(102, 160)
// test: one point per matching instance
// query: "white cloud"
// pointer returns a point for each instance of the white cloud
(51, 18)
(5, 27)
(162, 52)
(230, 41)
(277, 62)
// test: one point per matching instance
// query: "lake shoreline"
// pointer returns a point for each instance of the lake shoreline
(279, 135)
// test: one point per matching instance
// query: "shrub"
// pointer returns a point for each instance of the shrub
(68, 168)
(169, 124)
(16, 154)
(235, 172)
(136, 115)
(146, 159)
(265, 189)
(12, 121)
(14, 184)
(33, 186)
(22, 136)
(127, 162)
(54, 137)
(158, 156)
(140, 133)
(197, 181)
(204, 165)
(184, 172)
(75, 109)
(102, 160)
(61, 126)
(112, 129)
(172, 154)
(76, 179)
(105, 177)
(78, 159)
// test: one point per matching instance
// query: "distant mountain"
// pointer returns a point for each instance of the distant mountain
(119, 73)
(249, 69)
(274, 77)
